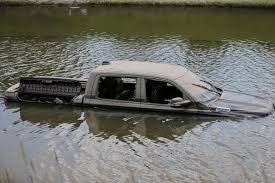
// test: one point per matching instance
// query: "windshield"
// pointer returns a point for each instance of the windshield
(201, 91)
(207, 96)
(209, 93)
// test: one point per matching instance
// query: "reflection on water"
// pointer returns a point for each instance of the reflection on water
(39, 126)
(105, 123)
(41, 142)
(192, 23)
(233, 48)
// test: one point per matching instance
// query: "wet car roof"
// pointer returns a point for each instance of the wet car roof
(149, 69)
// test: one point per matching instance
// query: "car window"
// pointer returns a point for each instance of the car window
(161, 92)
(118, 88)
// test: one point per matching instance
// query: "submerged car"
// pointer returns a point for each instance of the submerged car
(140, 86)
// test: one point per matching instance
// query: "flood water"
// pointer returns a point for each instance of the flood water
(233, 48)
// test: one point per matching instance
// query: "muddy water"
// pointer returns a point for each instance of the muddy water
(233, 48)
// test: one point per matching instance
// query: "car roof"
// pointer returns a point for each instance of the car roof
(147, 69)
(176, 73)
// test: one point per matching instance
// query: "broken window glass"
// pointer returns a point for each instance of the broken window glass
(161, 92)
(119, 88)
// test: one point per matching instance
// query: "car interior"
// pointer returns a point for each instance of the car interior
(120, 88)
(117, 88)
(161, 92)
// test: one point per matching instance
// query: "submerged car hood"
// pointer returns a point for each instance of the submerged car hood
(242, 103)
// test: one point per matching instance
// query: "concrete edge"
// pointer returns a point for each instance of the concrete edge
(154, 3)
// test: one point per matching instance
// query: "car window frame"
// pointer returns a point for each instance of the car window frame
(143, 89)
(96, 87)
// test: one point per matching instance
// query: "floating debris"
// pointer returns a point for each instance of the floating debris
(82, 117)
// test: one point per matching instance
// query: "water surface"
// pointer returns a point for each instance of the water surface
(233, 48)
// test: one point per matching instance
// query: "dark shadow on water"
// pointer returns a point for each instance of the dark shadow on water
(106, 123)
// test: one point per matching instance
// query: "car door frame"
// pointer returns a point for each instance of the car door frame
(94, 100)
(164, 107)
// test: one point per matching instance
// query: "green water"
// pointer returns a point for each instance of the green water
(189, 23)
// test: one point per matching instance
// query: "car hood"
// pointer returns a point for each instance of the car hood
(242, 103)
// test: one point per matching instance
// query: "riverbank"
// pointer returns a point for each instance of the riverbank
(201, 3)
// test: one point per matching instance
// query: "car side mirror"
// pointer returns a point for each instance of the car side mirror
(179, 102)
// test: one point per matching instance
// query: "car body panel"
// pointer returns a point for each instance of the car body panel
(243, 103)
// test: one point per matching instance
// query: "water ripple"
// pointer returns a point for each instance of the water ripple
(42, 142)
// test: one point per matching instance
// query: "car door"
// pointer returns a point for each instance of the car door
(114, 91)
(157, 93)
